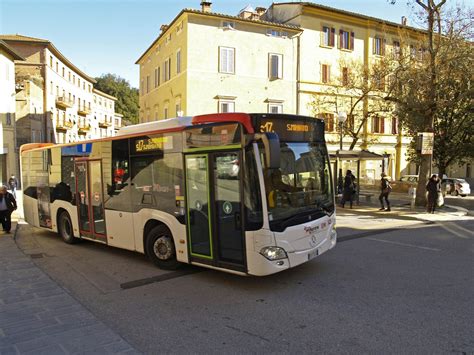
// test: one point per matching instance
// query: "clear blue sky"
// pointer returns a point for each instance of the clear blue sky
(108, 36)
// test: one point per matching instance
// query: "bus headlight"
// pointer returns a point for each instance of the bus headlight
(274, 253)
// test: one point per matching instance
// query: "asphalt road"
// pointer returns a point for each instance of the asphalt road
(406, 291)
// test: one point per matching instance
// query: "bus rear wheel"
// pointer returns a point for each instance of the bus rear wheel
(160, 248)
(65, 228)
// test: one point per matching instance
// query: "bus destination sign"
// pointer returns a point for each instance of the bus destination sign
(150, 144)
(290, 130)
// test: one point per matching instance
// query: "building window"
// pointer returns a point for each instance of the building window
(167, 70)
(83, 85)
(325, 73)
(57, 90)
(165, 113)
(378, 124)
(227, 60)
(51, 61)
(8, 119)
(64, 72)
(226, 106)
(396, 49)
(179, 27)
(328, 34)
(345, 76)
(329, 122)
(51, 88)
(79, 82)
(346, 40)
(147, 84)
(276, 33)
(74, 79)
(350, 123)
(379, 46)
(156, 77)
(178, 61)
(394, 125)
(380, 83)
(57, 67)
(178, 111)
(228, 25)
(275, 66)
(275, 108)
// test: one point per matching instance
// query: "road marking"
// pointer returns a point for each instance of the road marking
(450, 229)
(403, 244)
(468, 231)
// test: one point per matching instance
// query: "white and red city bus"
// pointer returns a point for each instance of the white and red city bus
(243, 193)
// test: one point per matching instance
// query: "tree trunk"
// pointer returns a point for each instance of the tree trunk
(423, 177)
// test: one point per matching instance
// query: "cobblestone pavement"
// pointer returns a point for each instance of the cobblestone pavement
(39, 317)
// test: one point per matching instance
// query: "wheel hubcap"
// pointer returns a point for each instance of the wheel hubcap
(66, 228)
(163, 248)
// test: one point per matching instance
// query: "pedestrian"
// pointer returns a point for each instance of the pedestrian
(7, 206)
(13, 184)
(348, 188)
(433, 187)
(385, 190)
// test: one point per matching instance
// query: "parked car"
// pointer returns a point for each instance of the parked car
(404, 184)
(455, 186)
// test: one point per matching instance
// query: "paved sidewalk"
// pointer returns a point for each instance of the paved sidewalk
(366, 217)
(37, 316)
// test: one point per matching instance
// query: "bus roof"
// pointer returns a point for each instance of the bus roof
(155, 126)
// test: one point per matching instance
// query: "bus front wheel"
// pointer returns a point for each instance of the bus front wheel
(65, 228)
(160, 248)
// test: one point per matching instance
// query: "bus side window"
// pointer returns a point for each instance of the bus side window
(118, 189)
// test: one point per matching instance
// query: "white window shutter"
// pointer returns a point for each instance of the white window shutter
(231, 60)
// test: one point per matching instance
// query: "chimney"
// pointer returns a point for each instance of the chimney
(206, 6)
(404, 21)
(163, 28)
(260, 11)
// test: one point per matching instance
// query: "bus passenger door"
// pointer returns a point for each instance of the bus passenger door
(214, 209)
(90, 197)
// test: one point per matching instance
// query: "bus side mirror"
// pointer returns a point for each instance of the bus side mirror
(271, 143)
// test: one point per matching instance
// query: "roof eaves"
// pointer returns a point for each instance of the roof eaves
(215, 14)
(11, 51)
(352, 14)
(97, 91)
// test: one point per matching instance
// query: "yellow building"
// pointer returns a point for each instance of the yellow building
(8, 154)
(206, 62)
(279, 59)
(56, 101)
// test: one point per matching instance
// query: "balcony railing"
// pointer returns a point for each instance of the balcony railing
(83, 111)
(84, 129)
(63, 125)
(104, 124)
(64, 102)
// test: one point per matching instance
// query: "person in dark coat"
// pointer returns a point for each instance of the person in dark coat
(7, 206)
(348, 188)
(13, 184)
(433, 187)
(385, 190)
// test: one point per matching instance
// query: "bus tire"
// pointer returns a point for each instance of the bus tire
(65, 228)
(160, 248)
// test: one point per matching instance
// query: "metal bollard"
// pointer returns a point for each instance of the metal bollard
(412, 194)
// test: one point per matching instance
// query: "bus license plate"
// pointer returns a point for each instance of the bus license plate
(313, 254)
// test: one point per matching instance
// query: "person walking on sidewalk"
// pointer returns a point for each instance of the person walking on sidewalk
(13, 184)
(385, 190)
(7, 206)
(433, 187)
(348, 188)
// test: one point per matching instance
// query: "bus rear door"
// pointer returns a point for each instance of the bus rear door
(90, 199)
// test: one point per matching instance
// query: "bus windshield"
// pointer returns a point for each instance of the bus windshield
(300, 190)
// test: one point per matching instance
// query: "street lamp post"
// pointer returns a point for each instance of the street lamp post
(341, 118)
